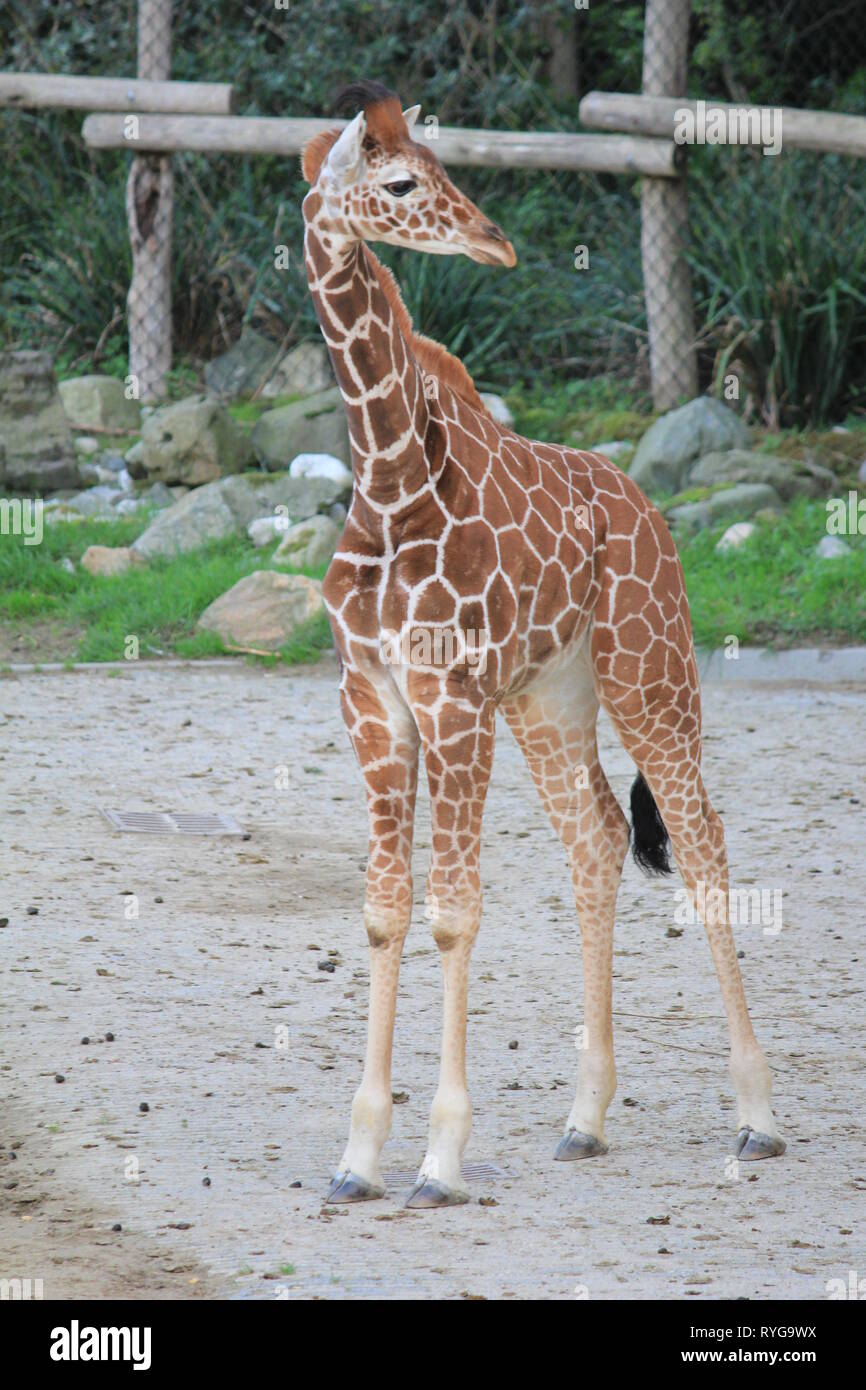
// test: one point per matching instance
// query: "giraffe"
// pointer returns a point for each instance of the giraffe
(553, 589)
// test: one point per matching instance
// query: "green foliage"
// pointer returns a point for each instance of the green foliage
(775, 590)
(779, 260)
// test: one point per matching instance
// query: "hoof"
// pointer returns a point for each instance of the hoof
(427, 1193)
(575, 1145)
(751, 1145)
(349, 1187)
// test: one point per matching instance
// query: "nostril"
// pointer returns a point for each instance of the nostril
(495, 233)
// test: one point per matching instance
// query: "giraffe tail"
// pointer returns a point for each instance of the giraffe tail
(649, 839)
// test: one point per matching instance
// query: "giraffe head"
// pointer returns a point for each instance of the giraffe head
(377, 183)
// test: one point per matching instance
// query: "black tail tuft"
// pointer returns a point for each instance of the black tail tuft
(649, 839)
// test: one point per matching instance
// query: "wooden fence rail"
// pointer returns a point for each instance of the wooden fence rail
(36, 89)
(825, 132)
(612, 154)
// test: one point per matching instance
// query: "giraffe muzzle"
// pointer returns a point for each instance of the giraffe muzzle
(489, 245)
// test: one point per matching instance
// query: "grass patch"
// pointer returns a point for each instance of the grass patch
(775, 591)
(159, 605)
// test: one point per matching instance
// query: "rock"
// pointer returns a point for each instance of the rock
(228, 506)
(67, 565)
(743, 499)
(304, 371)
(498, 408)
(242, 370)
(94, 473)
(86, 445)
(677, 439)
(789, 477)
(36, 453)
(320, 466)
(96, 501)
(134, 460)
(266, 529)
(735, 536)
(832, 548)
(316, 425)
(263, 610)
(108, 560)
(612, 449)
(193, 441)
(861, 472)
(99, 402)
(112, 462)
(308, 544)
(338, 513)
(157, 495)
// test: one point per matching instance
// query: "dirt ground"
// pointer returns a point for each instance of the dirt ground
(247, 1054)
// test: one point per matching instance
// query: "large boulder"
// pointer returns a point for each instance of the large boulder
(676, 440)
(263, 611)
(243, 369)
(304, 371)
(193, 441)
(228, 506)
(308, 544)
(742, 500)
(36, 452)
(790, 477)
(315, 425)
(99, 402)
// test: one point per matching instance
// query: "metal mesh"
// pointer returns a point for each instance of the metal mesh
(149, 210)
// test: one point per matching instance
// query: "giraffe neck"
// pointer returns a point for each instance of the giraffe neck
(381, 383)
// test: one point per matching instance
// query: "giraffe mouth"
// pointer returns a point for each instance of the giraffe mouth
(492, 251)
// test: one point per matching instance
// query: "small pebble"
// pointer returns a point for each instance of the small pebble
(85, 1041)
(58, 1078)
(741, 955)
(4, 921)
(326, 965)
(158, 900)
(109, 1037)
(296, 1183)
(514, 1045)
(205, 1182)
(117, 1226)
(33, 912)
(144, 1107)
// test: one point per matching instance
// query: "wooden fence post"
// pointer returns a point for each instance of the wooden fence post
(664, 220)
(149, 205)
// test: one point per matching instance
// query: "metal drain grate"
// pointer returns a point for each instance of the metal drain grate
(472, 1172)
(171, 823)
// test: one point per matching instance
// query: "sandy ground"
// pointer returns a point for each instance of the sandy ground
(247, 1054)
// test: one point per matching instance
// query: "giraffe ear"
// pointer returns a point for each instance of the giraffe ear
(410, 116)
(346, 156)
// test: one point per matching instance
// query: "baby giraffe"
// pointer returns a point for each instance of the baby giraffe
(479, 571)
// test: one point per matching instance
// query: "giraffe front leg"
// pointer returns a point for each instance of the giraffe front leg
(386, 742)
(458, 747)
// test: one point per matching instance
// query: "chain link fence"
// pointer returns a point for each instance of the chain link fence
(150, 213)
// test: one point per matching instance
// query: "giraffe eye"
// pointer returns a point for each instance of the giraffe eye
(401, 188)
